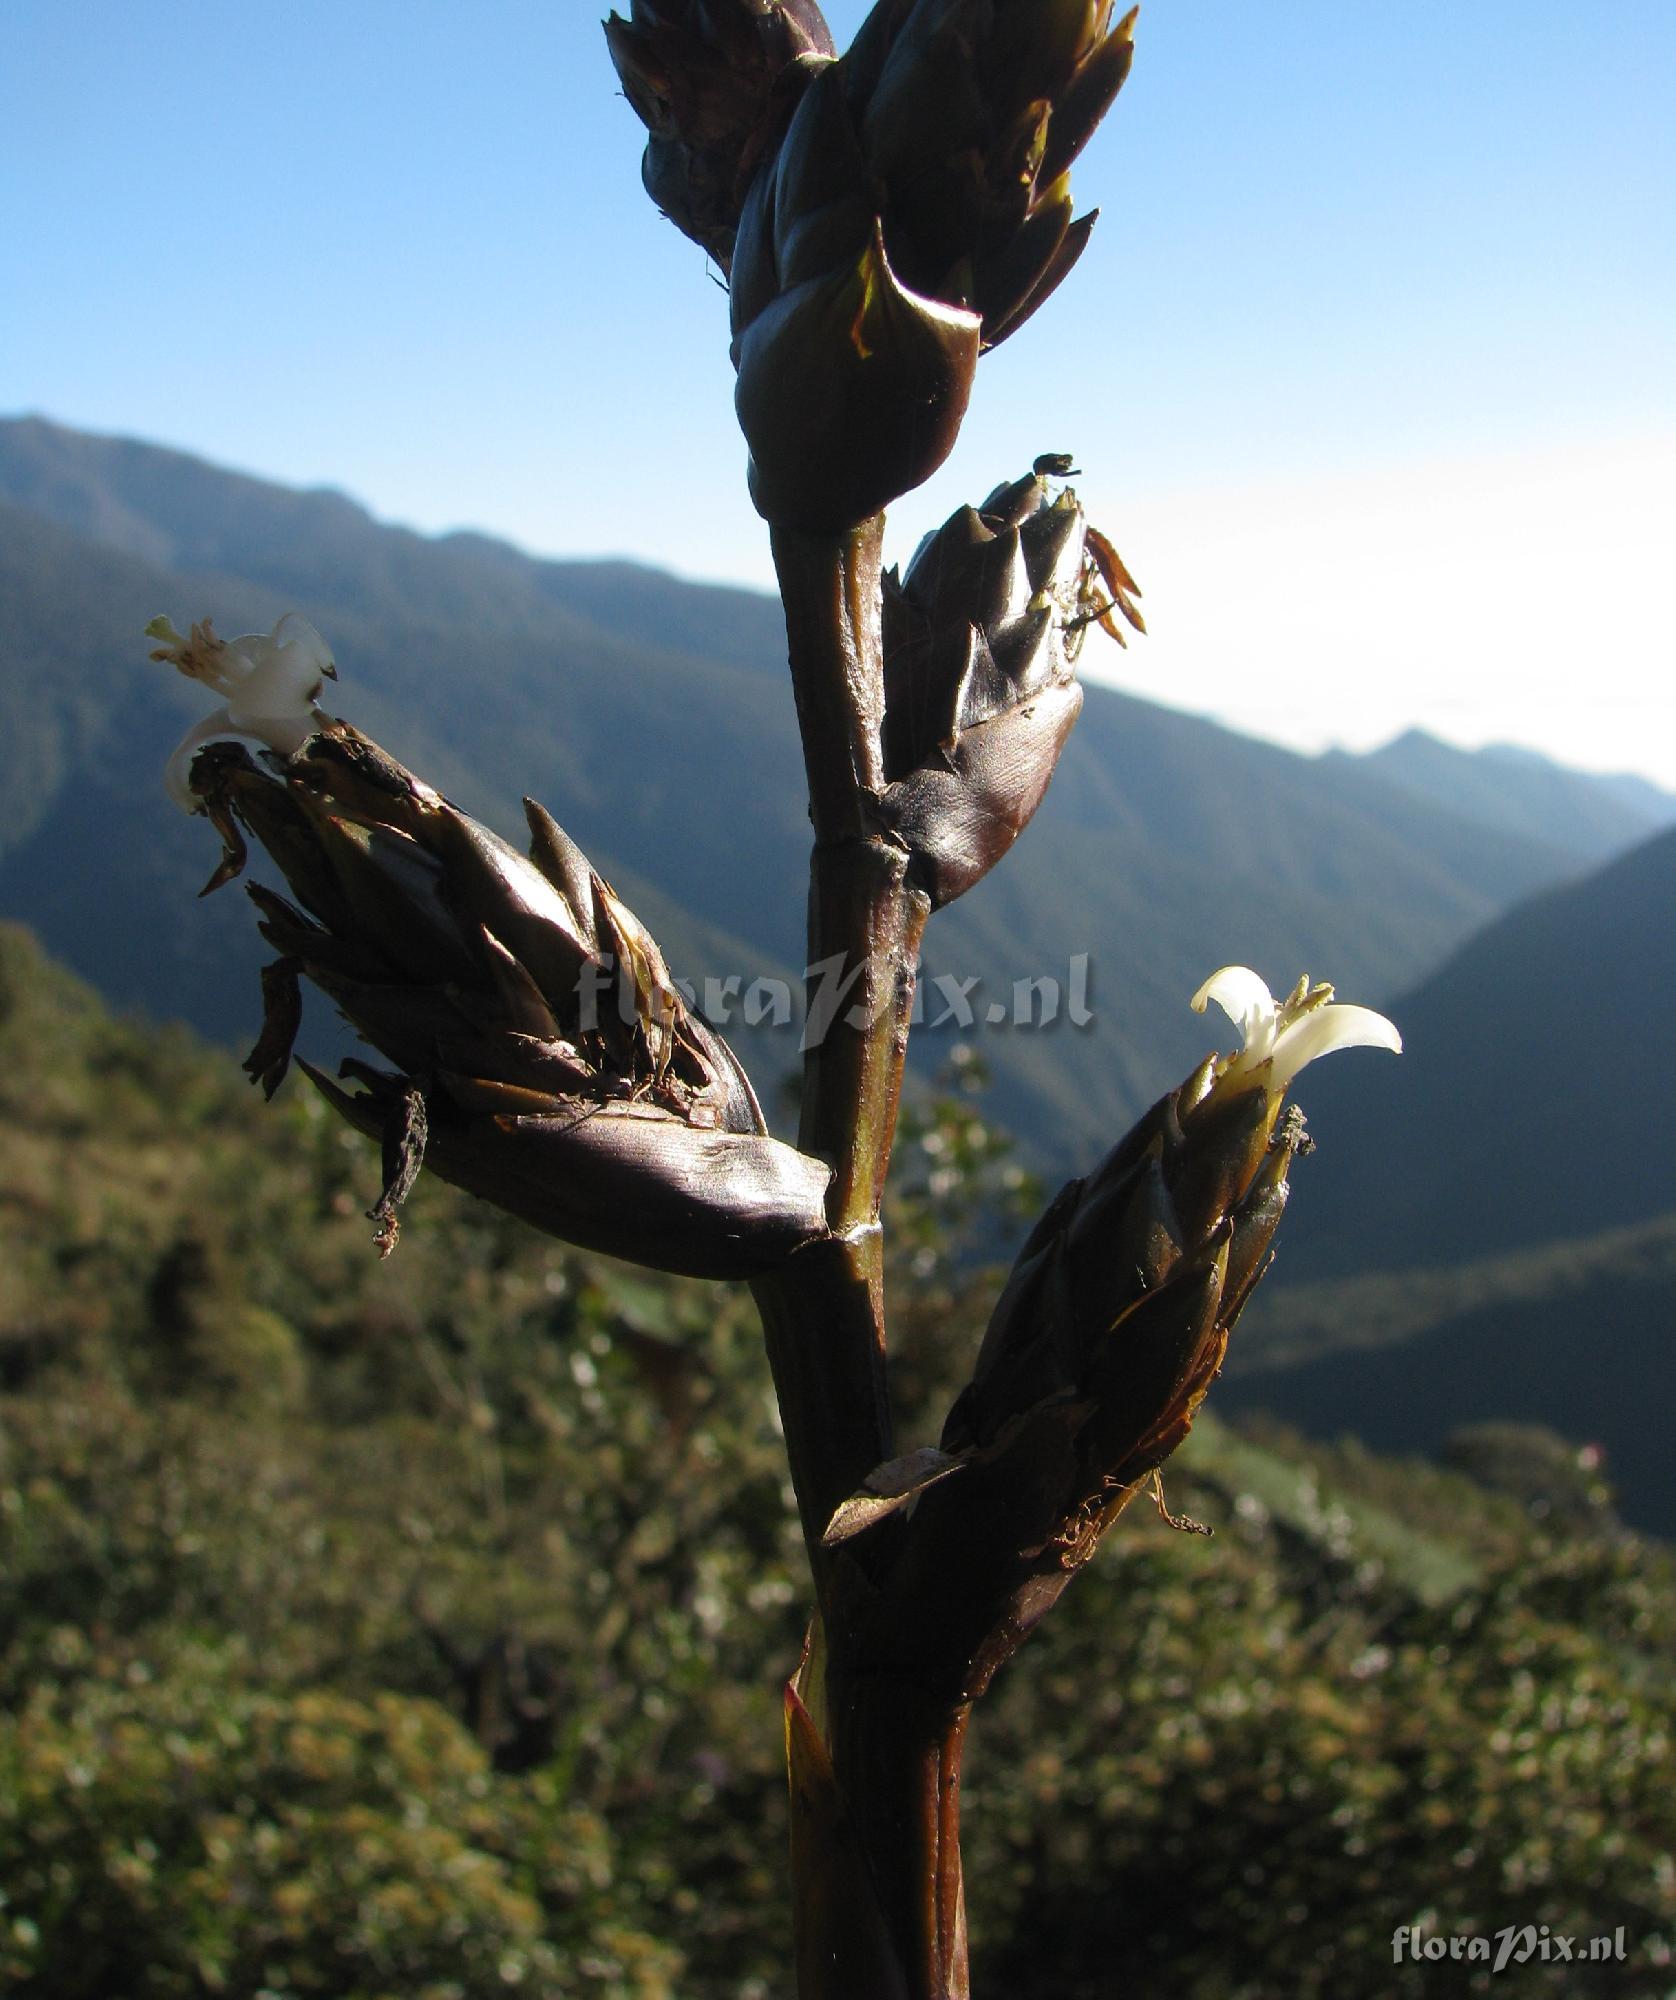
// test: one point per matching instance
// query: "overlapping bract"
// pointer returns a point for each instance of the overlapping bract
(1110, 1329)
(714, 82)
(544, 1058)
(981, 638)
(917, 212)
(1123, 1297)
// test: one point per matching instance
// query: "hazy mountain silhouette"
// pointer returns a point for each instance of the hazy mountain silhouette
(1535, 1099)
(1518, 791)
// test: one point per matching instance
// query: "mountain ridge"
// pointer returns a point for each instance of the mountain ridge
(654, 718)
(1510, 787)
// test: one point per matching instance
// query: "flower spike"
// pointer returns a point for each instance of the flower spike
(1107, 1335)
(981, 638)
(544, 1059)
(714, 82)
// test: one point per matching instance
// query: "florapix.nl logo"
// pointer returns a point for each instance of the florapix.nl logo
(855, 991)
(1514, 1944)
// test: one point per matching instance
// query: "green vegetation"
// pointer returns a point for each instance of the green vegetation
(416, 1629)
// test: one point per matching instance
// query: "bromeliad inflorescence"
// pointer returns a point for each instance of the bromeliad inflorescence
(916, 213)
(1107, 1335)
(1128, 1289)
(544, 1056)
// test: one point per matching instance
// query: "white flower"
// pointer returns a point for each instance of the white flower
(1289, 1033)
(271, 682)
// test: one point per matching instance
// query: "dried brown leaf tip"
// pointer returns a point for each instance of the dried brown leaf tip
(1122, 589)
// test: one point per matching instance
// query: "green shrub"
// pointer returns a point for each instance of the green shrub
(193, 1835)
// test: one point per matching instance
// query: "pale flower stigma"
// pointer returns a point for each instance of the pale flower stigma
(1289, 1034)
(271, 682)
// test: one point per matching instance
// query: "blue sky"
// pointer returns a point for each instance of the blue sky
(1369, 367)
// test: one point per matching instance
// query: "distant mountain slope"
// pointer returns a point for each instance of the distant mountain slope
(180, 513)
(1487, 1228)
(1535, 1100)
(654, 717)
(1517, 791)
(1579, 1336)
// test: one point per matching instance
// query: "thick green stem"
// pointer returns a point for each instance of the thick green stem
(830, 585)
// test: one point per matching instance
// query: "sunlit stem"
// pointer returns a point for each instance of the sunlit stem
(898, 1757)
(825, 1313)
(897, 1765)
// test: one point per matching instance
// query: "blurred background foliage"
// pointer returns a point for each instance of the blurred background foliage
(417, 1629)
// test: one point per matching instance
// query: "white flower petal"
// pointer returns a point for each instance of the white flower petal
(271, 680)
(179, 766)
(1246, 1001)
(294, 631)
(1324, 1029)
(280, 690)
(241, 657)
(293, 640)
(285, 733)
